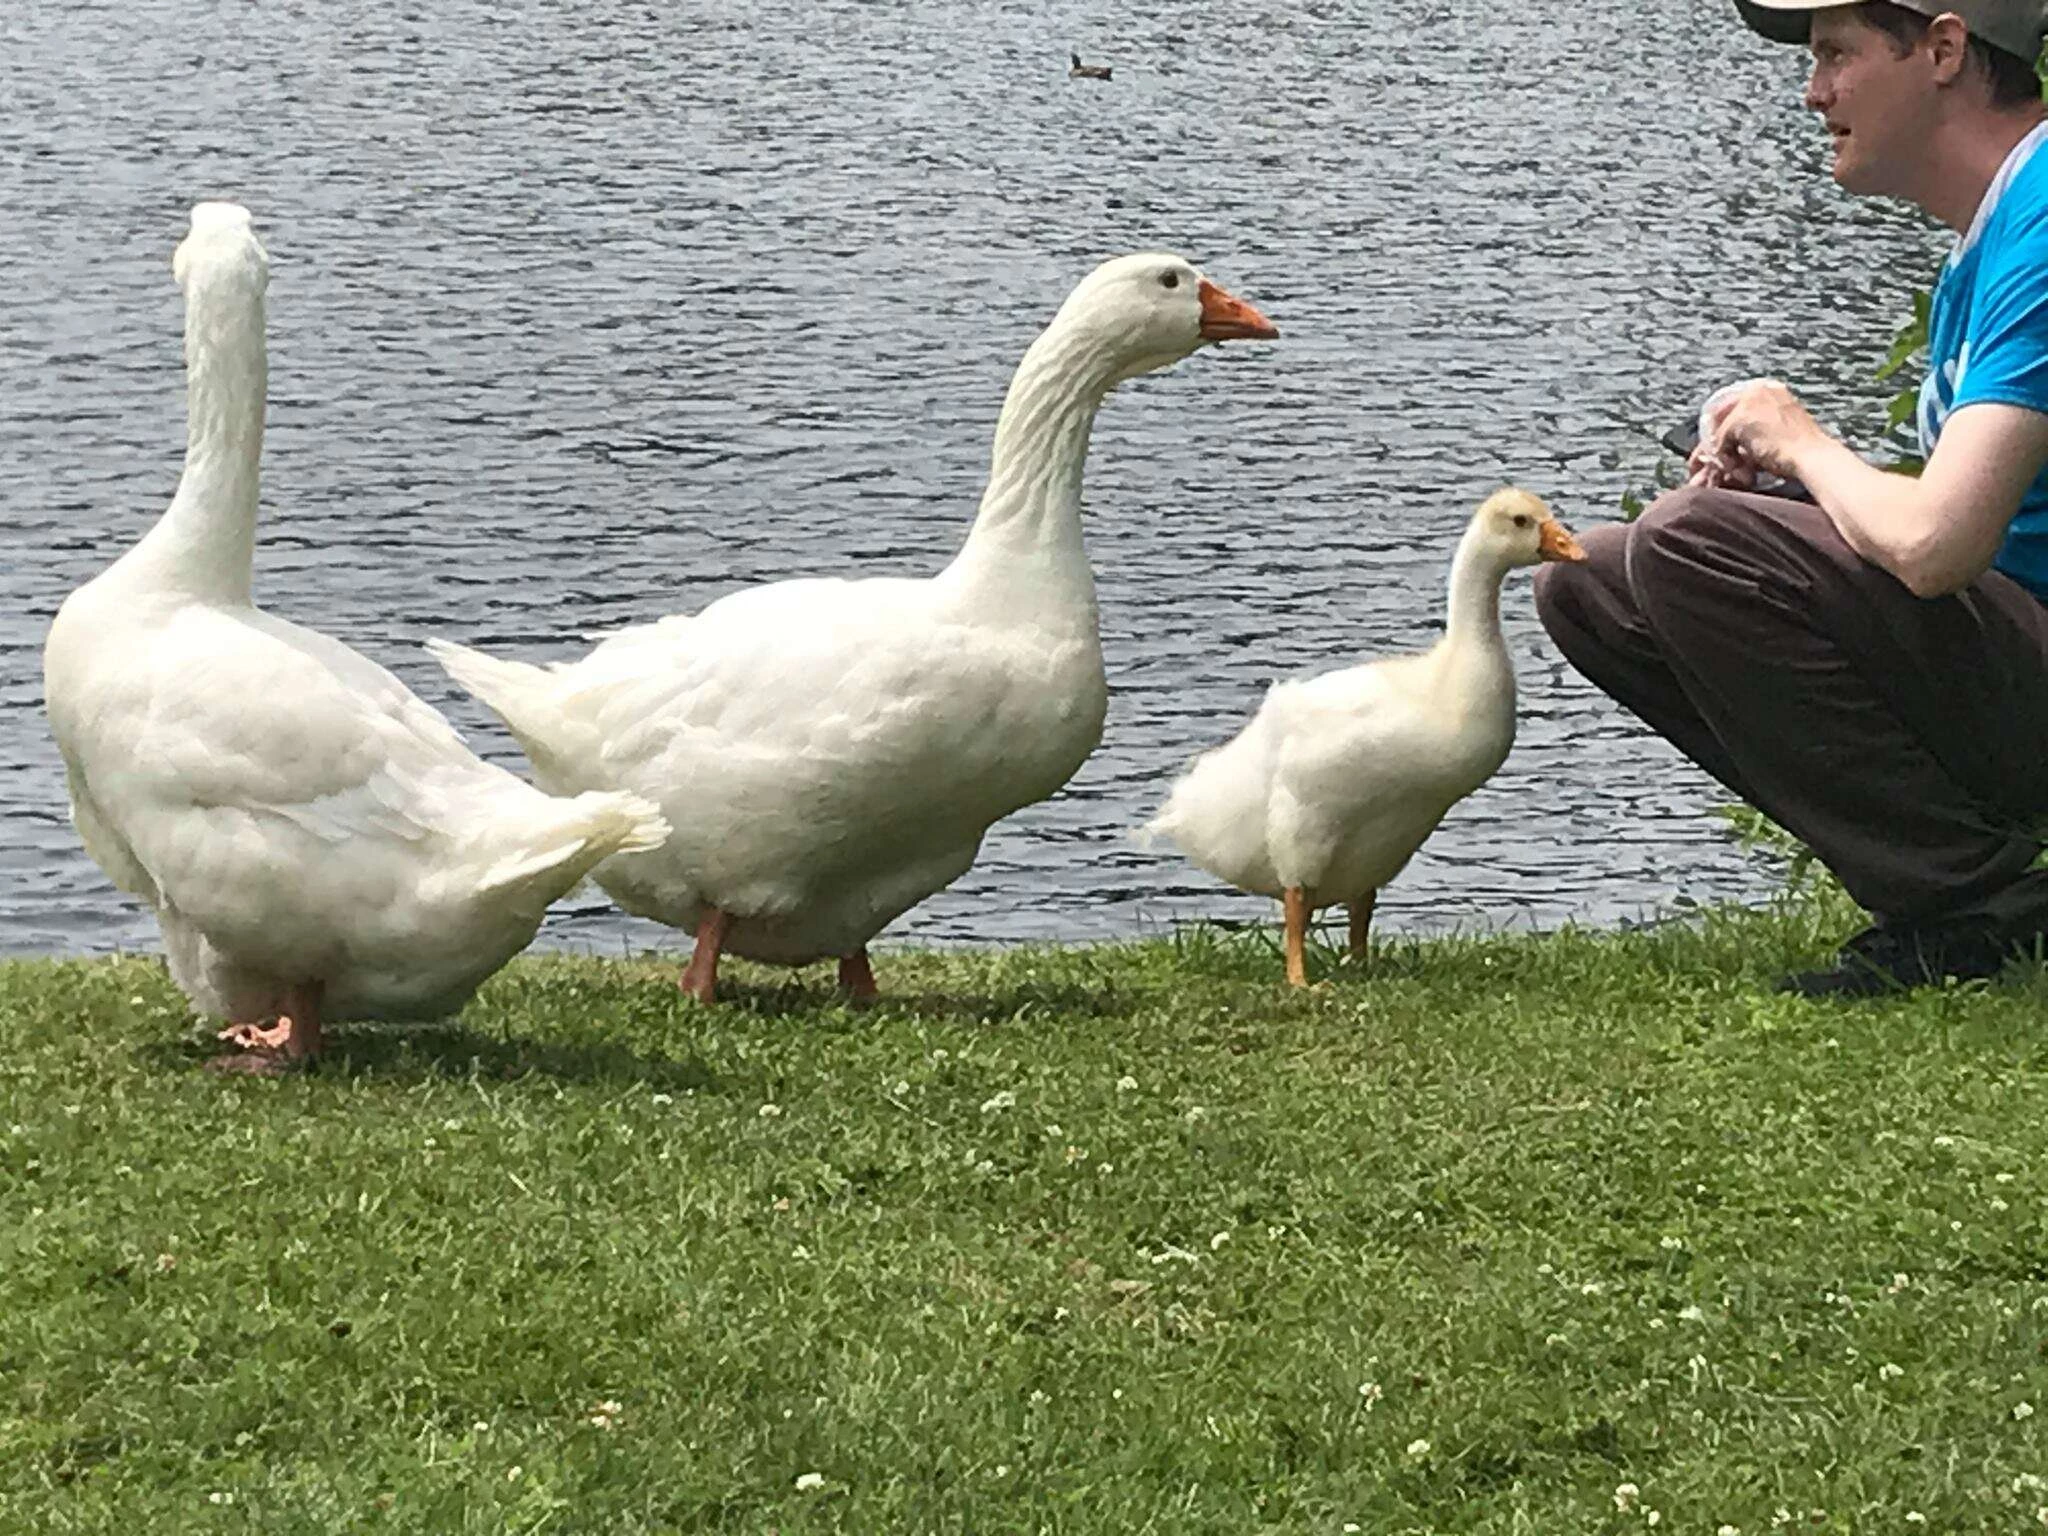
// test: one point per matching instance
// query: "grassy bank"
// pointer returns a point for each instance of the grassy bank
(1112, 1240)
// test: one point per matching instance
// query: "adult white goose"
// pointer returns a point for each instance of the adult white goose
(317, 843)
(1339, 778)
(830, 752)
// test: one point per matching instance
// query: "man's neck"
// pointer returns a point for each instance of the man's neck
(1961, 170)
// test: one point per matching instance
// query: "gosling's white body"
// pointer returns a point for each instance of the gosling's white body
(1340, 778)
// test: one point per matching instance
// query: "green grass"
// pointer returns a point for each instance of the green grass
(1090, 1240)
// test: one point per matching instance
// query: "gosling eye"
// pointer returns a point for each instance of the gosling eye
(1521, 519)
(1169, 279)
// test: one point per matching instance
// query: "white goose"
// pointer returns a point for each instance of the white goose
(317, 843)
(1339, 778)
(831, 752)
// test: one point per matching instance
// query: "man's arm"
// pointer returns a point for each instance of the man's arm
(1937, 533)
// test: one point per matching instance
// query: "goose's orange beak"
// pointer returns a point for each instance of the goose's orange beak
(1554, 541)
(1226, 317)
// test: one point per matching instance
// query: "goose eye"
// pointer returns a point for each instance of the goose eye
(1169, 279)
(1521, 519)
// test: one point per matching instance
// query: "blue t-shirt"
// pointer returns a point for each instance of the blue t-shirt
(1988, 334)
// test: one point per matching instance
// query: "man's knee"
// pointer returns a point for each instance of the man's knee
(1692, 538)
(1565, 588)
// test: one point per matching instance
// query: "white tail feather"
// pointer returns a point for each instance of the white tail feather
(526, 698)
(501, 684)
(592, 827)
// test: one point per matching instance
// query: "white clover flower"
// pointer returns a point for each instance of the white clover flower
(1729, 1530)
(1625, 1496)
(1003, 1100)
(1944, 1141)
(1891, 1372)
(1671, 1244)
(807, 1481)
(1127, 1084)
(1652, 1517)
(1691, 1314)
(2027, 1482)
(1914, 1517)
(1372, 1392)
(662, 1098)
(1418, 1447)
(770, 1111)
(2023, 1410)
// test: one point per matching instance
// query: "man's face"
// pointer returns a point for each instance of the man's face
(1877, 105)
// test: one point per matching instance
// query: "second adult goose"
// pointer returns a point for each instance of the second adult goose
(316, 842)
(1339, 778)
(830, 752)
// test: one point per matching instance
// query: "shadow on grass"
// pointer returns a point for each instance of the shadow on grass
(797, 1001)
(452, 1050)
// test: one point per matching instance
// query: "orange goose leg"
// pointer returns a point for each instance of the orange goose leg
(700, 976)
(857, 977)
(1294, 905)
(1361, 923)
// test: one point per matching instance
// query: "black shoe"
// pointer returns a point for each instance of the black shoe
(1896, 958)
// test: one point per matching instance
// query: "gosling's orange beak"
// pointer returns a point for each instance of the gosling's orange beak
(1555, 542)
(1226, 317)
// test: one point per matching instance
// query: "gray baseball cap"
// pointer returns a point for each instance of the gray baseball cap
(2013, 26)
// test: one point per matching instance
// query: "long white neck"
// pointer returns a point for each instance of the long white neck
(204, 545)
(1472, 626)
(1025, 556)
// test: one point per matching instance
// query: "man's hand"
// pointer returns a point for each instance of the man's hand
(1937, 533)
(1756, 426)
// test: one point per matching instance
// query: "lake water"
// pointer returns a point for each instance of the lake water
(581, 315)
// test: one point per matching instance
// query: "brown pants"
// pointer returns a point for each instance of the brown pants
(1903, 739)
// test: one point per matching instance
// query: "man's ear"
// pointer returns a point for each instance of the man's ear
(1947, 42)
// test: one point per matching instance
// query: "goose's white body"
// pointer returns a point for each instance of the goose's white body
(828, 752)
(288, 808)
(1340, 778)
